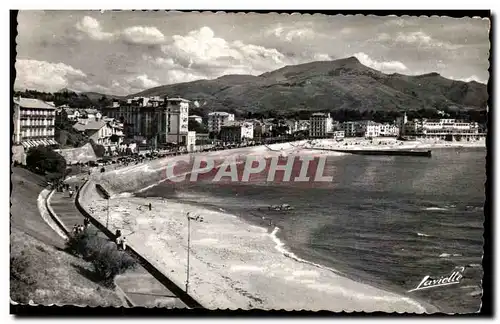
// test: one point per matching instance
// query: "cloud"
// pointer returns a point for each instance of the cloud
(92, 28)
(471, 78)
(384, 66)
(142, 82)
(143, 35)
(213, 56)
(422, 39)
(45, 76)
(291, 33)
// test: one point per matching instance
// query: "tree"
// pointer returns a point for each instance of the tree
(114, 138)
(99, 150)
(44, 160)
(193, 125)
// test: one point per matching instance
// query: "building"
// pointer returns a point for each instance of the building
(159, 120)
(442, 129)
(351, 128)
(217, 119)
(303, 125)
(389, 130)
(320, 125)
(34, 122)
(339, 134)
(237, 132)
(178, 119)
(293, 126)
(400, 123)
(196, 118)
(369, 128)
(100, 132)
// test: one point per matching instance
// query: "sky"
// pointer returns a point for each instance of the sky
(124, 52)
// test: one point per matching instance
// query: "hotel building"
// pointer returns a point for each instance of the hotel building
(320, 125)
(159, 120)
(33, 122)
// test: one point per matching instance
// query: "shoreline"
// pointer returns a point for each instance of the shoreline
(150, 235)
(229, 273)
(150, 172)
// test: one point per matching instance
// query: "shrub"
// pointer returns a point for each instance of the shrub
(99, 150)
(103, 254)
(43, 159)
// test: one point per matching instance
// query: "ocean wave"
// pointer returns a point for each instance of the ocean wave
(280, 247)
(434, 208)
(422, 234)
(447, 255)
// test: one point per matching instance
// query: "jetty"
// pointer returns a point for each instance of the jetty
(400, 152)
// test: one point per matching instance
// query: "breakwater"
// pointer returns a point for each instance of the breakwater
(423, 153)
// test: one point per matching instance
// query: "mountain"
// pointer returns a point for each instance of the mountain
(328, 85)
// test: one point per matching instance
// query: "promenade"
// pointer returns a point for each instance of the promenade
(139, 287)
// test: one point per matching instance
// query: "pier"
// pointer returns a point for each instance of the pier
(401, 152)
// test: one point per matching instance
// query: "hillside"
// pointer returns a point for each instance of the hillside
(328, 85)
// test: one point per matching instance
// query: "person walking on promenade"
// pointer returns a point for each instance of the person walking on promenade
(80, 229)
(75, 229)
(86, 222)
(124, 243)
(118, 238)
(70, 193)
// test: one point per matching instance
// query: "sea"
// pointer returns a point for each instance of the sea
(387, 221)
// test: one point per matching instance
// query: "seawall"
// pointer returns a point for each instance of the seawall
(154, 271)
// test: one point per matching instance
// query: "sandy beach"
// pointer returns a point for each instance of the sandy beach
(233, 264)
(389, 144)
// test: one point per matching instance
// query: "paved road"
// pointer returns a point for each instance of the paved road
(139, 286)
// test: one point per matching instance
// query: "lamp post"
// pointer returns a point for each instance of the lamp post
(107, 212)
(189, 219)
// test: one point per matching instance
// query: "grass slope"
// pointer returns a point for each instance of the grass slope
(40, 270)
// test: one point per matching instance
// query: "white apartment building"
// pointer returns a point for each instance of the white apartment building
(370, 128)
(320, 125)
(217, 119)
(34, 122)
(178, 118)
(389, 130)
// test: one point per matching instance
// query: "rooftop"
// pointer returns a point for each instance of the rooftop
(219, 113)
(89, 125)
(32, 103)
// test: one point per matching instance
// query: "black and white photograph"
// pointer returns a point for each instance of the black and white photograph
(249, 160)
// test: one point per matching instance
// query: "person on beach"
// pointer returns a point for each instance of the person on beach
(70, 193)
(124, 243)
(149, 206)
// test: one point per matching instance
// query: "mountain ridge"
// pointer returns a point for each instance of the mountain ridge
(328, 85)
